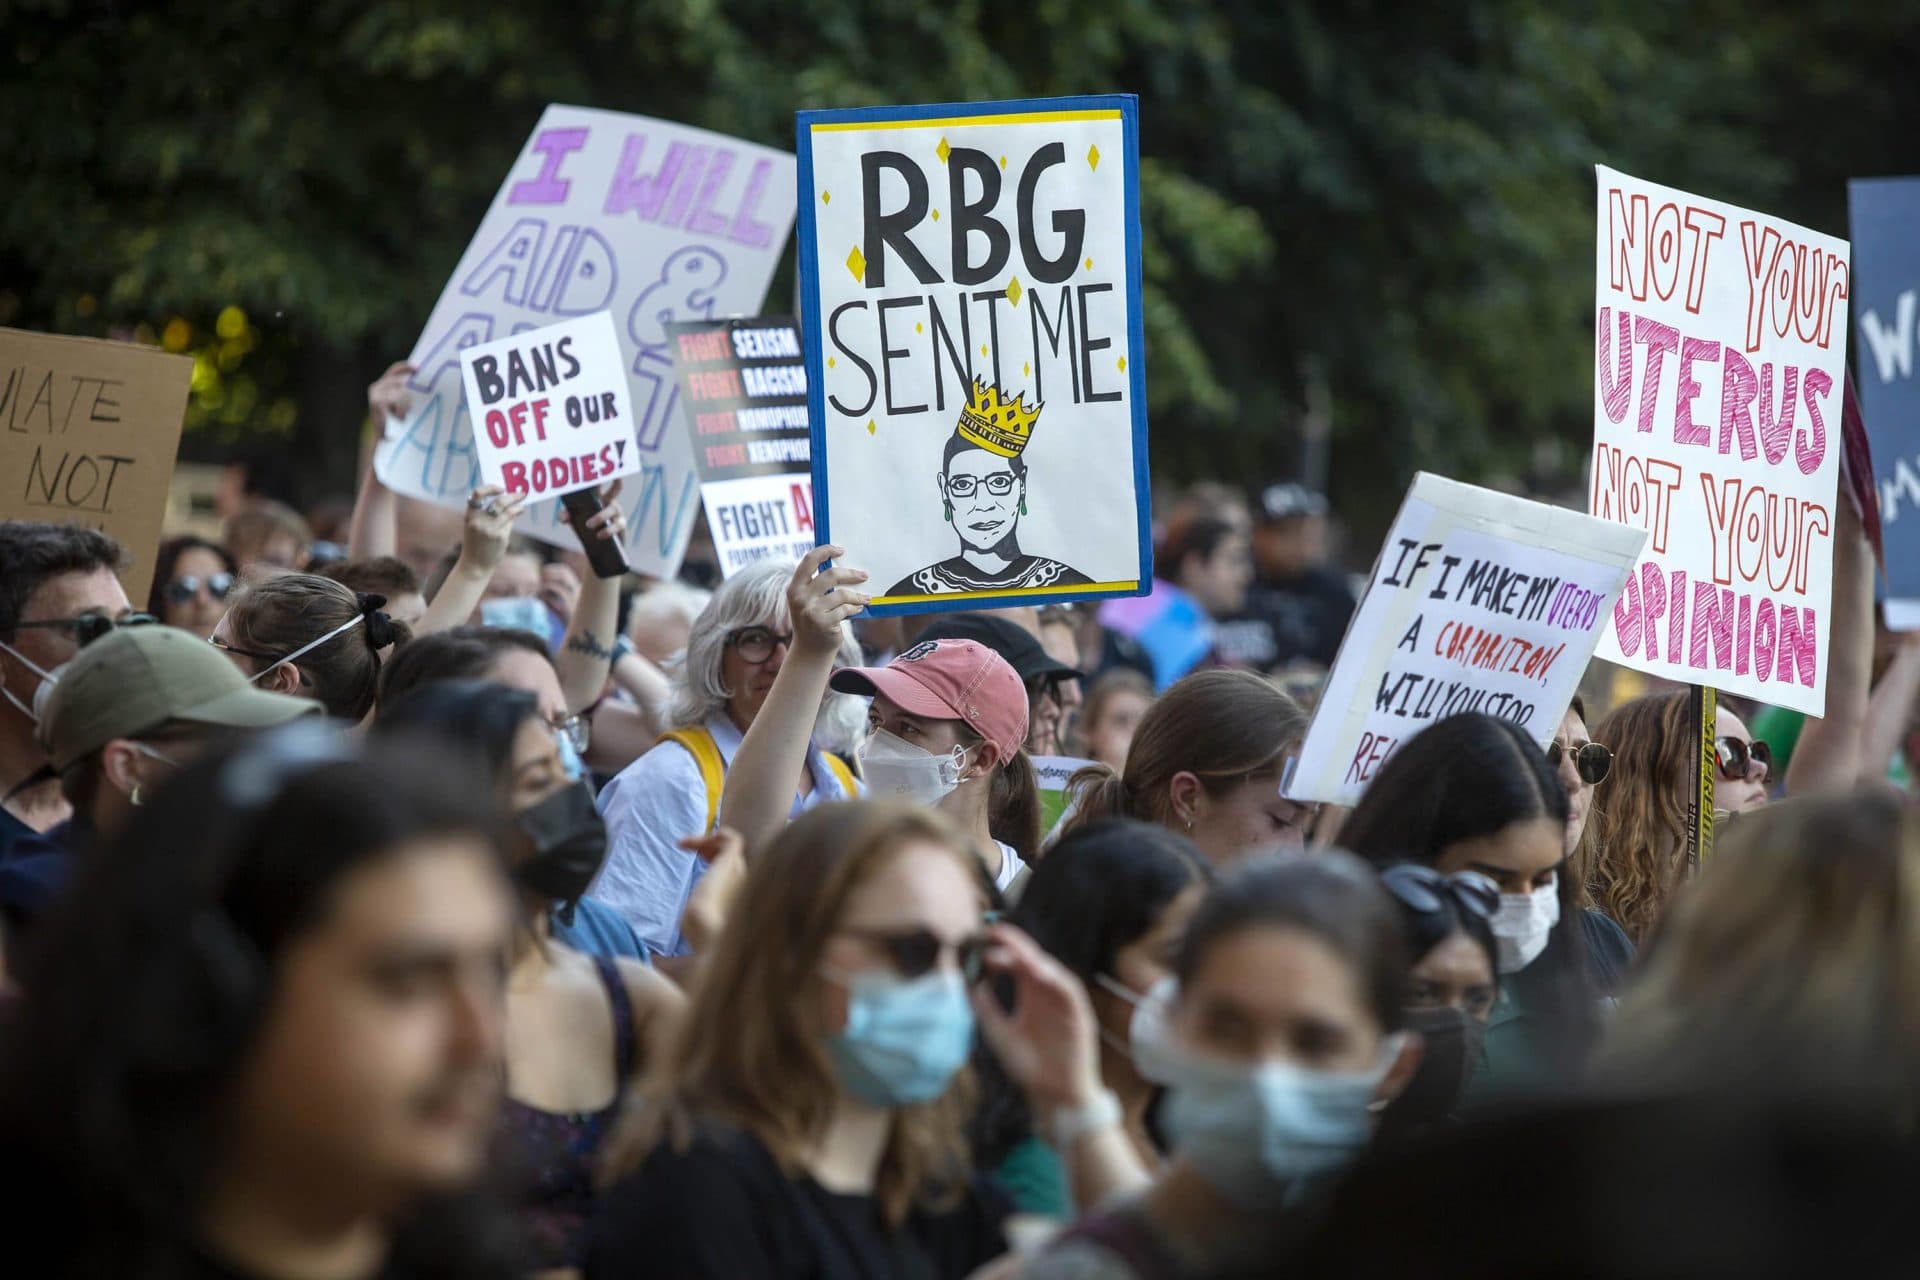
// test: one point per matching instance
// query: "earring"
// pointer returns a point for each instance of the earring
(1189, 824)
(1023, 504)
(949, 507)
(133, 796)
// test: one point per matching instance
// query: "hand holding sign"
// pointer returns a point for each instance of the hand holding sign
(553, 408)
(820, 601)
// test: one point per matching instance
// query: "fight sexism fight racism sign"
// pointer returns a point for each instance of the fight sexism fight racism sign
(553, 408)
(651, 221)
(1479, 601)
(970, 278)
(1720, 344)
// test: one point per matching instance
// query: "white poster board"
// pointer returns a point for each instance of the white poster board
(1479, 601)
(1720, 347)
(603, 211)
(553, 408)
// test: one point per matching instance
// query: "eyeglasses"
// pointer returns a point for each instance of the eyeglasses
(756, 644)
(1423, 889)
(224, 647)
(576, 730)
(915, 952)
(1737, 758)
(88, 627)
(999, 484)
(185, 587)
(1592, 761)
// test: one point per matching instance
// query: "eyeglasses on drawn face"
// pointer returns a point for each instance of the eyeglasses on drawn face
(1423, 889)
(999, 484)
(1592, 761)
(185, 587)
(1736, 758)
(913, 953)
(756, 644)
(85, 628)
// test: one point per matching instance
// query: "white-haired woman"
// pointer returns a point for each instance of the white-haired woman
(673, 791)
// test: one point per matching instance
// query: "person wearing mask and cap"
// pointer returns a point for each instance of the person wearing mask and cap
(1299, 605)
(133, 707)
(948, 724)
(1052, 686)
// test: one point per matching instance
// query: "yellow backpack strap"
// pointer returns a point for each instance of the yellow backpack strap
(841, 774)
(705, 751)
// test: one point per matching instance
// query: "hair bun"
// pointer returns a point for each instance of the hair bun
(380, 632)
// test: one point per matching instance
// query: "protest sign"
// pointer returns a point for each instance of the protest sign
(745, 392)
(92, 428)
(1885, 212)
(1051, 775)
(1720, 342)
(1479, 601)
(653, 221)
(553, 408)
(970, 284)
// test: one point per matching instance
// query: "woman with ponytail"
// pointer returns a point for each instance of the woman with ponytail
(311, 637)
(1207, 762)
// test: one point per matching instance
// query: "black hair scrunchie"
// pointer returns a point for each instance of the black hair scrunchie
(379, 625)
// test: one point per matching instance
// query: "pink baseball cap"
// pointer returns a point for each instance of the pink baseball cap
(950, 680)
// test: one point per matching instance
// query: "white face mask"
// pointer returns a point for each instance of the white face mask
(305, 649)
(897, 770)
(48, 679)
(1523, 923)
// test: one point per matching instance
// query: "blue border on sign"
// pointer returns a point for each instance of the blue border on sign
(1128, 105)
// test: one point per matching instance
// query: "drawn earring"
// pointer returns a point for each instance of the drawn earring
(1023, 504)
(949, 507)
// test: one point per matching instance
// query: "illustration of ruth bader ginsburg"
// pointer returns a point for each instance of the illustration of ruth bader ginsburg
(983, 492)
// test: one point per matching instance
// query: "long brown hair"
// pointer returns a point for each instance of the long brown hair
(750, 1054)
(1219, 725)
(1792, 963)
(280, 614)
(1631, 855)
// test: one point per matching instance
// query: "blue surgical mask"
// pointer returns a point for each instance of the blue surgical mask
(570, 762)
(905, 1039)
(523, 613)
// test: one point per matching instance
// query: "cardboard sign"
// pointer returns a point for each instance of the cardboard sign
(91, 431)
(970, 278)
(1885, 212)
(1720, 343)
(745, 390)
(1478, 602)
(655, 222)
(553, 408)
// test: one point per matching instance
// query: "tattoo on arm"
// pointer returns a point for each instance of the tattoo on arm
(584, 642)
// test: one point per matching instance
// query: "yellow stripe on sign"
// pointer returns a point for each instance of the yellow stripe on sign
(961, 122)
(1015, 591)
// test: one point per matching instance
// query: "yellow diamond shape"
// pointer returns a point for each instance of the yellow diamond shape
(1123, 364)
(943, 151)
(1026, 370)
(983, 348)
(1093, 157)
(918, 327)
(1089, 264)
(1014, 291)
(870, 426)
(936, 215)
(1003, 162)
(829, 362)
(857, 263)
(826, 197)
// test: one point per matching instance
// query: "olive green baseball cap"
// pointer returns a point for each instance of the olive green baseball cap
(135, 679)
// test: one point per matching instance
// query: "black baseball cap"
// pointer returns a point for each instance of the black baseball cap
(1008, 639)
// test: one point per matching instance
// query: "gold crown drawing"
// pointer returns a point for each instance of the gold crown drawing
(995, 423)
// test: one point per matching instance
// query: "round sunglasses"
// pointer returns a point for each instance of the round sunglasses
(1423, 889)
(914, 952)
(185, 587)
(1592, 761)
(1736, 758)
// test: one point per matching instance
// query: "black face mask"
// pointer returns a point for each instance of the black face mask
(1450, 1051)
(569, 843)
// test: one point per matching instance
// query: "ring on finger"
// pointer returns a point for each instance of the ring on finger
(491, 507)
(474, 504)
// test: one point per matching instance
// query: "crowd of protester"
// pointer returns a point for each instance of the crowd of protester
(413, 901)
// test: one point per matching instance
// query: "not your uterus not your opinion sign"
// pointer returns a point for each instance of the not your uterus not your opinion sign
(1479, 601)
(1719, 356)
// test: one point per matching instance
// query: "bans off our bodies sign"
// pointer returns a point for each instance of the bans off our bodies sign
(1720, 344)
(970, 278)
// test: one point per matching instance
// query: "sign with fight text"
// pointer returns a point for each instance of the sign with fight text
(970, 285)
(1885, 214)
(745, 390)
(652, 221)
(553, 408)
(1479, 601)
(91, 428)
(1719, 343)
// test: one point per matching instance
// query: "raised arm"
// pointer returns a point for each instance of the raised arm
(483, 542)
(374, 528)
(760, 781)
(1830, 752)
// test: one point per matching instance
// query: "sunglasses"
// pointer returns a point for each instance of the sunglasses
(756, 644)
(1423, 889)
(184, 588)
(88, 627)
(1737, 758)
(914, 952)
(1592, 761)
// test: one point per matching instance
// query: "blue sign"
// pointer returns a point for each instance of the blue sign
(1885, 297)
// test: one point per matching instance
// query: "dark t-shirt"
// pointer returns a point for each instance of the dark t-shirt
(1293, 618)
(723, 1209)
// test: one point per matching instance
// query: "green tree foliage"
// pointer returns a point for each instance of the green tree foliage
(1391, 201)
